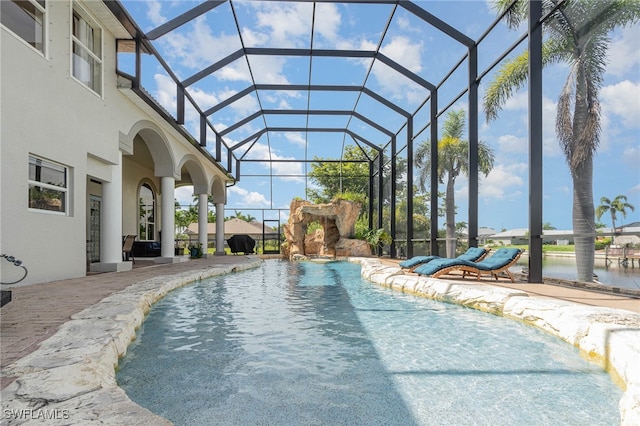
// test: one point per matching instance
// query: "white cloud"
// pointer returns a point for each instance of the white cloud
(204, 99)
(154, 13)
(248, 198)
(404, 23)
(327, 21)
(503, 182)
(623, 100)
(520, 103)
(404, 52)
(262, 151)
(268, 69)
(165, 91)
(511, 143)
(254, 38)
(623, 51)
(197, 47)
(296, 138)
(184, 195)
(517, 102)
(288, 25)
(407, 54)
(631, 156)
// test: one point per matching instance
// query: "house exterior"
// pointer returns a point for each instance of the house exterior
(232, 227)
(484, 234)
(520, 236)
(84, 159)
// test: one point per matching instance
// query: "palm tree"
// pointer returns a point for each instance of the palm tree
(577, 34)
(453, 155)
(619, 204)
(241, 216)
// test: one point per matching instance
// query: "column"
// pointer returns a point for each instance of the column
(167, 236)
(220, 229)
(111, 224)
(203, 214)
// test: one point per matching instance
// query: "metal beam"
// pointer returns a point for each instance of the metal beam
(343, 54)
(266, 51)
(473, 148)
(307, 112)
(433, 173)
(405, 72)
(437, 23)
(370, 200)
(306, 129)
(241, 123)
(256, 135)
(229, 100)
(409, 252)
(392, 191)
(306, 87)
(178, 21)
(213, 68)
(535, 142)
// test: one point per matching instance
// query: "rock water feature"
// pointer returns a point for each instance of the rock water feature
(335, 238)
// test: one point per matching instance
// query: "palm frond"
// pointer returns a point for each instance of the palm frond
(509, 79)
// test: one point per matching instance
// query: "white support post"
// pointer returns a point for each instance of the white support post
(167, 252)
(203, 214)
(111, 224)
(220, 229)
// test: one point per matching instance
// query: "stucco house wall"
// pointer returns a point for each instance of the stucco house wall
(48, 113)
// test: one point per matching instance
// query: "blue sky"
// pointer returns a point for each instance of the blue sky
(417, 47)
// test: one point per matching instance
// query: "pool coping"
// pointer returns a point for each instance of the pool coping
(70, 378)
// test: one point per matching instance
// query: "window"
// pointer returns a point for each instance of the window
(26, 19)
(147, 213)
(87, 50)
(48, 185)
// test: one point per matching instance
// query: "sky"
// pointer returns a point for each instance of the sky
(426, 52)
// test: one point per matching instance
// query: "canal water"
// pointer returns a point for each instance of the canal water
(565, 268)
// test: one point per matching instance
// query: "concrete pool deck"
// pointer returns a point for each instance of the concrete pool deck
(60, 341)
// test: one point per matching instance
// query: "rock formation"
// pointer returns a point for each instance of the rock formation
(335, 238)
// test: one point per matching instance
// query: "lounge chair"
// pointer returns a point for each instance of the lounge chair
(501, 261)
(473, 254)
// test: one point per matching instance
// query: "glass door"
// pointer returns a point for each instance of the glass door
(93, 243)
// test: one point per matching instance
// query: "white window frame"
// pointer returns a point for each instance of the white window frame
(45, 28)
(97, 58)
(64, 189)
(154, 210)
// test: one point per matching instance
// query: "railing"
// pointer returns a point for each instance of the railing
(622, 254)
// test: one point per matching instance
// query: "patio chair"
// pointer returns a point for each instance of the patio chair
(500, 262)
(127, 248)
(473, 254)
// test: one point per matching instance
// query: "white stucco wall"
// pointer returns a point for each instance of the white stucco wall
(47, 113)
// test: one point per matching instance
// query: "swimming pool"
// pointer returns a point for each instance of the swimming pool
(306, 343)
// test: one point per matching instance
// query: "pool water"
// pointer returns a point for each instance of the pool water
(315, 344)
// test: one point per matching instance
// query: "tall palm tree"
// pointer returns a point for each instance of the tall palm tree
(453, 156)
(617, 205)
(577, 34)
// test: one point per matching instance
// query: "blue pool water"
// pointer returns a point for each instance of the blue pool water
(314, 344)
